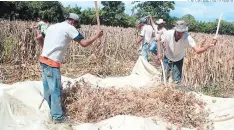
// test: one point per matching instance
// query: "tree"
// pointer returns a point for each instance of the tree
(88, 16)
(76, 10)
(113, 14)
(171, 22)
(188, 18)
(130, 21)
(28, 10)
(53, 11)
(157, 9)
(191, 21)
(14, 10)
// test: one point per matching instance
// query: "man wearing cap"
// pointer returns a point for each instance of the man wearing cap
(159, 29)
(57, 39)
(145, 37)
(176, 41)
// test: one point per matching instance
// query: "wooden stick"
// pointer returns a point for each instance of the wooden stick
(218, 25)
(164, 75)
(98, 22)
(162, 65)
(97, 14)
(41, 103)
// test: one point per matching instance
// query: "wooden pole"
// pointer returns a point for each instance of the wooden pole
(41, 103)
(97, 14)
(162, 65)
(164, 74)
(98, 22)
(218, 25)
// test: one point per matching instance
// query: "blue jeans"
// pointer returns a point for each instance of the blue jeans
(145, 51)
(154, 47)
(175, 67)
(52, 90)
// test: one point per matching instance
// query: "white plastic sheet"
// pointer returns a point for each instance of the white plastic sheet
(19, 104)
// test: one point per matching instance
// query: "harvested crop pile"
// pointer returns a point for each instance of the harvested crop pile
(85, 104)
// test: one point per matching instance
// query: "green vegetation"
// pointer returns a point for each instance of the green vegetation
(111, 14)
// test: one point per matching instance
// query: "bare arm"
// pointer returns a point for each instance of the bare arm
(139, 39)
(141, 36)
(200, 50)
(83, 42)
(159, 46)
(41, 43)
(87, 42)
(151, 20)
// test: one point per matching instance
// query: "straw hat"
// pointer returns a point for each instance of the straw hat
(160, 21)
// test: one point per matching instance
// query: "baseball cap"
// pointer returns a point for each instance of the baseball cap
(143, 20)
(74, 17)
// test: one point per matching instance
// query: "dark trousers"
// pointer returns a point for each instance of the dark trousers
(175, 68)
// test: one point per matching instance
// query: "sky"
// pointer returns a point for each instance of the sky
(202, 11)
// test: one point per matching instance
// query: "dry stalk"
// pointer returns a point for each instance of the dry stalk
(85, 104)
(213, 68)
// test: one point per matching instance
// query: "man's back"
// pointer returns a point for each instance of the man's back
(147, 33)
(56, 40)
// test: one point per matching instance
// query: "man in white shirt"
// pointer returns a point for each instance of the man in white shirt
(176, 41)
(159, 29)
(57, 39)
(145, 38)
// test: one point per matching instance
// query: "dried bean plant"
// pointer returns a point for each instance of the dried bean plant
(85, 104)
(20, 53)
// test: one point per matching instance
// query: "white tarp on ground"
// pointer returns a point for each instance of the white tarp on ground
(143, 74)
(19, 104)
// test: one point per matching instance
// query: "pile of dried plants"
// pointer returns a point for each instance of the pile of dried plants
(85, 104)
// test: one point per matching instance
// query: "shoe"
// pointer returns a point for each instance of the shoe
(58, 121)
(62, 120)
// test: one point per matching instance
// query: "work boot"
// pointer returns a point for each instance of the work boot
(58, 121)
(63, 120)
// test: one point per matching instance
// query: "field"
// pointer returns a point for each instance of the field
(115, 55)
